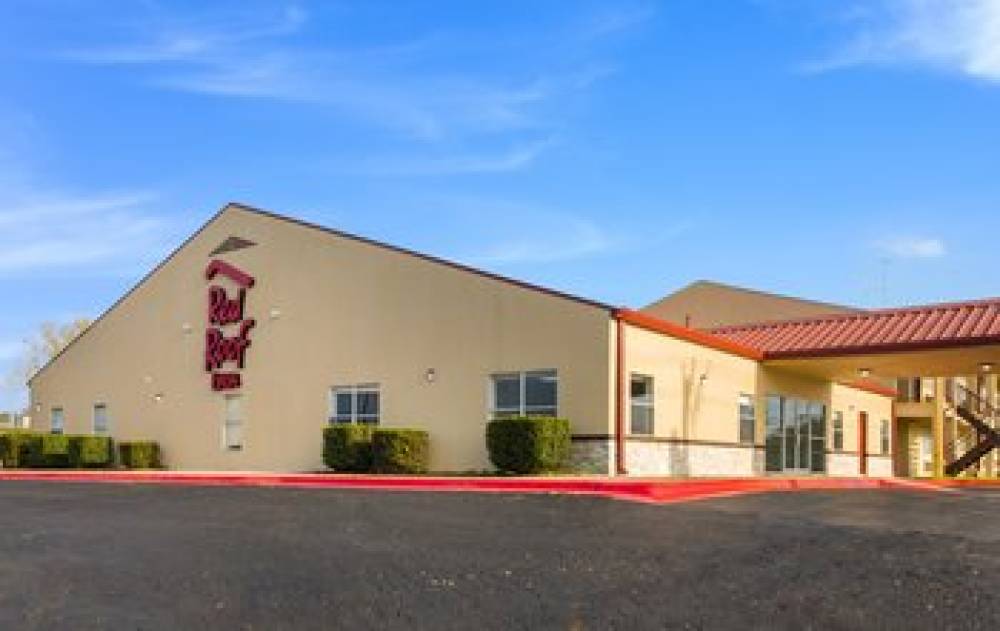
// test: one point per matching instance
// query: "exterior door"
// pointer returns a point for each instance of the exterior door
(796, 426)
(863, 442)
(796, 436)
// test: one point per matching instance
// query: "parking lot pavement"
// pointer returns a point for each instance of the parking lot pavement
(82, 556)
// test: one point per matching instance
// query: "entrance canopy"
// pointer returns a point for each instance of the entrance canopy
(936, 341)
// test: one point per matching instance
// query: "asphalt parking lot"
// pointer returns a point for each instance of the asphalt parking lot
(89, 556)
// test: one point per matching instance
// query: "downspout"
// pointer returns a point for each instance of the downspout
(893, 429)
(619, 394)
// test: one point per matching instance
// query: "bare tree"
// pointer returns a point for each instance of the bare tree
(45, 345)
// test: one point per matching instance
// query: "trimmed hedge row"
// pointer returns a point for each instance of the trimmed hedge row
(363, 449)
(526, 445)
(54, 451)
(348, 448)
(15, 446)
(401, 451)
(140, 454)
(27, 449)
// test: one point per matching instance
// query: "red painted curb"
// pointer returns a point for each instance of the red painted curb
(658, 491)
(964, 483)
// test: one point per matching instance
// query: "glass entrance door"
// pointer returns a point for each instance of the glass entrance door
(795, 418)
(796, 436)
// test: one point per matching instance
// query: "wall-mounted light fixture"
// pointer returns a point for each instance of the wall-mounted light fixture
(864, 373)
(431, 375)
(158, 397)
(187, 328)
(986, 367)
(38, 408)
(275, 313)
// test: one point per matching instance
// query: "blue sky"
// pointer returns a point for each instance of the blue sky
(844, 151)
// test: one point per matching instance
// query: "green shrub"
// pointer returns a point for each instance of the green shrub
(54, 452)
(90, 452)
(400, 451)
(139, 454)
(17, 447)
(528, 444)
(348, 447)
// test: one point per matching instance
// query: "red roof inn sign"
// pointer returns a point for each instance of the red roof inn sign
(223, 311)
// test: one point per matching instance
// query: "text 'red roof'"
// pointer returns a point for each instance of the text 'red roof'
(911, 328)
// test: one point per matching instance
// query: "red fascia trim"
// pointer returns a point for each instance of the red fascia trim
(695, 336)
(871, 387)
(234, 274)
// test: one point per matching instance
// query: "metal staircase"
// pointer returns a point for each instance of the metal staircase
(983, 417)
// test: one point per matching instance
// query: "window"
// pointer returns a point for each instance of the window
(532, 393)
(838, 431)
(642, 405)
(355, 404)
(748, 424)
(58, 421)
(232, 428)
(100, 419)
(884, 436)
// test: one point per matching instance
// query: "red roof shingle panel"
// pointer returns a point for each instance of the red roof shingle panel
(944, 325)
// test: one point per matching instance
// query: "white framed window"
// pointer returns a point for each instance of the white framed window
(356, 404)
(101, 423)
(641, 409)
(838, 431)
(885, 442)
(530, 393)
(232, 424)
(748, 419)
(58, 421)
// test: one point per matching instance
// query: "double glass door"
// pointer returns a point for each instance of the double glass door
(796, 436)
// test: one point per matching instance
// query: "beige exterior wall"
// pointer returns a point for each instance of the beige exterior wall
(696, 419)
(706, 305)
(852, 402)
(350, 313)
(686, 406)
(336, 311)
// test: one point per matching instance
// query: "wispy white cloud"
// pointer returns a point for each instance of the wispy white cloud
(396, 86)
(44, 227)
(912, 247)
(50, 232)
(615, 19)
(498, 232)
(566, 239)
(960, 36)
(191, 41)
(510, 160)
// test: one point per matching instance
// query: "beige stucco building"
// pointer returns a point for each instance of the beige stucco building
(238, 349)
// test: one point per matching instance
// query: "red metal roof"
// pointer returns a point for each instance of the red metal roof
(931, 326)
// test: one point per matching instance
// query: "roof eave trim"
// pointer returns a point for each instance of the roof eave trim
(695, 336)
(878, 349)
(871, 388)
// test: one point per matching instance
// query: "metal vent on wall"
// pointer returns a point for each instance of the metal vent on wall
(231, 245)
